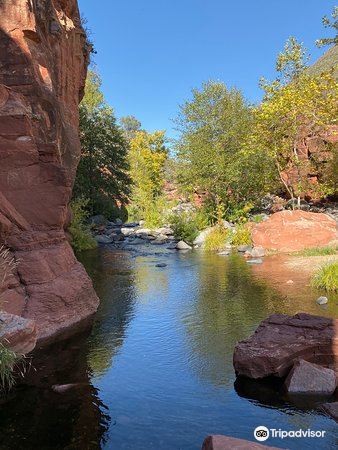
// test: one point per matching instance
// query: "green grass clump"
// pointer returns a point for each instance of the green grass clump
(8, 360)
(317, 251)
(217, 239)
(326, 277)
(241, 236)
(81, 237)
(186, 226)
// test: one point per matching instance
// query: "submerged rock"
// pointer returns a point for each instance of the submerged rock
(161, 265)
(331, 409)
(102, 239)
(17, 334)
(220, 442)
(172, 246)
(62, 388)
(308, 378)
(160, 239)
(280, 340)
(255, 261)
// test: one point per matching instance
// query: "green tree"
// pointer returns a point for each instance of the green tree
(330, 23)
(102, 175)
(130, 125)
(148, 155)
(213, 128)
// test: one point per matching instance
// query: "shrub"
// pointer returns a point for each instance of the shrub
(8, 360)
(186, 226)
(241, 236)
(217, 239)
(326, 277)
(81, 237)
(318, 251)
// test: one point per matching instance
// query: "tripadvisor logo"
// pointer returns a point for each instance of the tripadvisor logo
(261, 433)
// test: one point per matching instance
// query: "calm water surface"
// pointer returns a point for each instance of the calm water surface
(156, 370)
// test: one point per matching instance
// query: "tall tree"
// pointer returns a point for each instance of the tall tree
(148, 155)
(102, 175)
(213, 127)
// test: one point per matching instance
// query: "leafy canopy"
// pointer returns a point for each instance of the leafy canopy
(102, 175)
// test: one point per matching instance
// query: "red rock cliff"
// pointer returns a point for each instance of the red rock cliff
(43, 61)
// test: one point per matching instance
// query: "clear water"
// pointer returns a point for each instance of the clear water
(156, 370)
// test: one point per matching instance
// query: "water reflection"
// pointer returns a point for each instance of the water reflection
(156, 371)
(36, 417)
(114, 281)
(229, 303)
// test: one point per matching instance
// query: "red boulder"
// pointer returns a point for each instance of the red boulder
(289, 231)
(280, 340)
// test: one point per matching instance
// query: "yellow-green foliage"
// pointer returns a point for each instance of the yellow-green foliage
(217, 239)
(326, 277)
(147, 158)
(241, 236)
(8, 359)
(81, 237)
(302, 107)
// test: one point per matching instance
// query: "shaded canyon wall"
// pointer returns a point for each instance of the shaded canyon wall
(43, 62)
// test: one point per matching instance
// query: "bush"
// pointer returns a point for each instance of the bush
(326, 277)
(217, 239)
(8, 360)
(318, 251)
(152, 212)
(241, 236)
(186, 226)
(81, 237)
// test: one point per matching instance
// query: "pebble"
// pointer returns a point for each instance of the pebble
(322, 300)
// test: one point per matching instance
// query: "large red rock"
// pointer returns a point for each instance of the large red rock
(281, 340)
(219, 442)
(43, 61)
(289, 231)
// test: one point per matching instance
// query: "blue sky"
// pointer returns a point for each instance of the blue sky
(151, 53)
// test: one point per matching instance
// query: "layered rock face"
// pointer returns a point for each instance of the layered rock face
(289, 231)
(281, 340)
(43, 60)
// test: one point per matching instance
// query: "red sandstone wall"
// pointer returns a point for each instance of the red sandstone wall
(43, 61)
